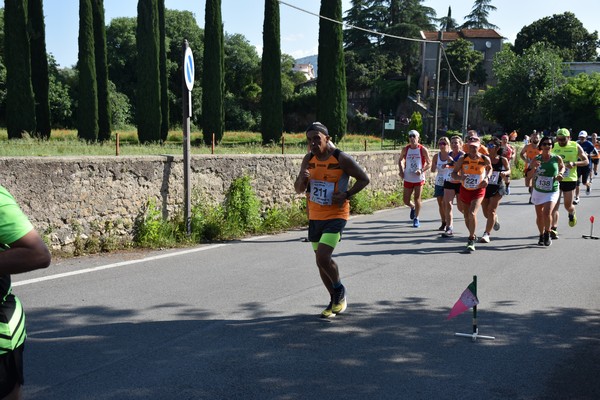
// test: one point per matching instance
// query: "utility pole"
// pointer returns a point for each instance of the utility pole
(437, 87)
(466, 102)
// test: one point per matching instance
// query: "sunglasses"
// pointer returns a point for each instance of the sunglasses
(442, 144)
(412, 136)
(546, 144)
(473, 139)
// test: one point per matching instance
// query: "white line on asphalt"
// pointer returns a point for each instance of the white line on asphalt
(119, 264)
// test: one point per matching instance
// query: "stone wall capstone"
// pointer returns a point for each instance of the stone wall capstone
(69, 196)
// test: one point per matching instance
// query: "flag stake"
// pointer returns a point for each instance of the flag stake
(591, 235)
(475, 335)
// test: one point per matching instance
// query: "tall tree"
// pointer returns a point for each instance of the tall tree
(447, 23)
(39, 68)
(148, 84)
(213, 82)
(271, 100)
(164, 76)
(87, 111)
(104, 112)
(478, 17)
(331, 82)
(20, 101)
(563, 32)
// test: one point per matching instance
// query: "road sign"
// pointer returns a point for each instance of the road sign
(188, 69)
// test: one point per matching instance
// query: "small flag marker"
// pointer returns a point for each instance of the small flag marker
(467, 300)
(591, 235)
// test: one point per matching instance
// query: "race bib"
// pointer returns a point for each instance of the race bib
(567, 170)
(544, 183)
(441, 177)
(472, 181)
(321, 192)
(495, 178)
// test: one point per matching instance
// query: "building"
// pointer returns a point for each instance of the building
(488, 41)
(307, 69)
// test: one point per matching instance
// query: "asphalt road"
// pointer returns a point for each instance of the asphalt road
(240, 320)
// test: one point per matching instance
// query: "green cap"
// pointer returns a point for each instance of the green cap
(563, 132)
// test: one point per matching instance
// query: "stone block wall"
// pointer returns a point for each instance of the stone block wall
(89, 196)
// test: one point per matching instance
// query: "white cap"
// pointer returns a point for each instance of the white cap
(583, 134)
(414, 132)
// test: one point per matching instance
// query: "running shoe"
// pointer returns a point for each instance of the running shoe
(576, 200)
(327, 313)
(442, 227)
(412, 213)
(339, 300)
(572, 220)
(553, 234)
(471, 245)
(496, 225)
(508, 190)
(485, 238)
(416, 223)
(588, 190)
(449, 232)
(541, 240)
(547, 239)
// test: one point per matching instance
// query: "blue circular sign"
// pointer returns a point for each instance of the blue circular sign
(188, 69)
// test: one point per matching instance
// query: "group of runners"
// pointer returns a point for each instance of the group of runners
(476, 175)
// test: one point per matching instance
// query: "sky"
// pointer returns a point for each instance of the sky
(299, 30)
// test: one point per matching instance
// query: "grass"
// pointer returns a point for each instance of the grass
(66, 143)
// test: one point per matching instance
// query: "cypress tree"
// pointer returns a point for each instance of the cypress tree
(331, 82)
(104, 114)
(213, 81)
(39, 68)
(20, 101)
(271, 100)
(164, 78)
(148, 84)
(87, 111)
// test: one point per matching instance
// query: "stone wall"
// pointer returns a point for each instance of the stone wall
(93, 196)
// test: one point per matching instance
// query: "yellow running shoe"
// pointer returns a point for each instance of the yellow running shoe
(327, 313)
(572, 220)
(339, 300)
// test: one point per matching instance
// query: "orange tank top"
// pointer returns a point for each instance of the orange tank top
(531, 151)
(326, 178)
(473, 171)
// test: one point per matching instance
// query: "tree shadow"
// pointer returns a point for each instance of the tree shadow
(383, 350)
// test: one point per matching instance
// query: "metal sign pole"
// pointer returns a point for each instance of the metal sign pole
(188, 83)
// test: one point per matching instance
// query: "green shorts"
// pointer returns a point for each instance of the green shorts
(327, 232)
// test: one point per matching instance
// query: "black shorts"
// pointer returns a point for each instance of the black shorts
(316, 228)
(583, 174)
(452, 186)
(567, 186)
(595, 161)
(492, 190)
(11, 370)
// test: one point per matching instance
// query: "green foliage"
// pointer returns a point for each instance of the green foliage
(271, 100)
(242, 208)
(562, 32)
(213, 72)
(87, 110)
(152, 230)
(39, 68)
(478, 17)
(579, 101)
(524, 95)
(463, 60)
(104, 112)
(416, 122)
(148, 94)
(20, 102)
(331, 81)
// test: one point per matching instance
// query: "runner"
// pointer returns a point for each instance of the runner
(413, 163)
(546, 171)
(473, 170)
(452, 186)
(327, 171)
(510, 154)
(495, 188)
(528, 154)
(438, 164)
(573, 156)
(596, 156)
(583, 172)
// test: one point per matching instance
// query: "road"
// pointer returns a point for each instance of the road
(240, 320)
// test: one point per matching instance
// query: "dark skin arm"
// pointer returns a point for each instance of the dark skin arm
(26, 254)
(352, 169)
(302, 179)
